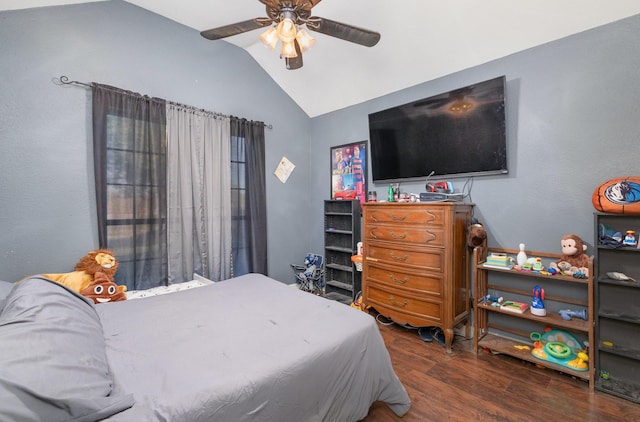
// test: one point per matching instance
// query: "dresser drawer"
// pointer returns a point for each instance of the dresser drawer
(401, 255)
(409, 234)
(405, 214)
(417, 282)
(403, 308)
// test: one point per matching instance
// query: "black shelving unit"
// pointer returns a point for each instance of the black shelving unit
(617, 355)
(342, 232)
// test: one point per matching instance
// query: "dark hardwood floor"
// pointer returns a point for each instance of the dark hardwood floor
(465, 387)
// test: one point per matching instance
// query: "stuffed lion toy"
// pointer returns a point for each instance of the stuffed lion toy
(97, 261)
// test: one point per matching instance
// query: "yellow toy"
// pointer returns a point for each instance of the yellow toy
(580, 362)
(359, 304)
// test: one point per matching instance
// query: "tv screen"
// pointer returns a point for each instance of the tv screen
(459, 133)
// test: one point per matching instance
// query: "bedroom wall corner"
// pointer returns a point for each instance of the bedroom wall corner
(47, 206)
(572, 108)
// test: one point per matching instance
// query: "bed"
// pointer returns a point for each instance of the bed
(245, 349)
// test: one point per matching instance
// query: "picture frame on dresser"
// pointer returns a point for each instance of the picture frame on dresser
(349, 171)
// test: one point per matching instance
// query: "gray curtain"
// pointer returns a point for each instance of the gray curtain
(198, 186)
(249, 197)
(129, 146)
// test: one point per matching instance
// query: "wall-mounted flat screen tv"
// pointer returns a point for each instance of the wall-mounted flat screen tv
(460, 133)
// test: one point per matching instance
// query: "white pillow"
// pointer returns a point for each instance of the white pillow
(161, 290)
(198, 277)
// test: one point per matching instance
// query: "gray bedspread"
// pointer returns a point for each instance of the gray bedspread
(247, 349)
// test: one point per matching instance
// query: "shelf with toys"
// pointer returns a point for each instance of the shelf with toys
(556, 326)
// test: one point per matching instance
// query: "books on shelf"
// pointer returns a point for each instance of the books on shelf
(499, 267)
(499, 260)
(513, 306)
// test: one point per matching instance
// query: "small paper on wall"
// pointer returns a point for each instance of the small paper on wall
(284, 169)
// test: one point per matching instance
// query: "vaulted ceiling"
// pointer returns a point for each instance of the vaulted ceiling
(421, 39)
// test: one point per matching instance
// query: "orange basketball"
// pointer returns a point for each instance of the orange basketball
(618, 196)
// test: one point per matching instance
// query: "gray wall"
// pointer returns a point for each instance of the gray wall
(573, 122)
(47, 205)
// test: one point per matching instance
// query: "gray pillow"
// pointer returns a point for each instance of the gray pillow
(5, 288)
(53, 363)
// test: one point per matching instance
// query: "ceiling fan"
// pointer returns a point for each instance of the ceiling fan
(288, 16)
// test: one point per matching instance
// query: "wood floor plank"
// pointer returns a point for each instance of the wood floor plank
(463, 386)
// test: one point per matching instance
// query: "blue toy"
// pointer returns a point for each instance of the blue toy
(490, 298)
(537, 305)
(566, 314)
(310, 276)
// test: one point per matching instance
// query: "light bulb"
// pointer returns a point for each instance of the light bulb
(288, 50)
(270, 37)
(305, 40)
(287, 30)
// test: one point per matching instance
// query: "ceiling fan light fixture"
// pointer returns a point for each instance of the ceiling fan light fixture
(305, 40)
(270, 37)
(288, 21)
(288, 50)
(287, 30)
(461, 106)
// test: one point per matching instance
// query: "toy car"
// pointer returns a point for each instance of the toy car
(346, 195)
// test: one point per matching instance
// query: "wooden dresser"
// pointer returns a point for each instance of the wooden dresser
(416, 263)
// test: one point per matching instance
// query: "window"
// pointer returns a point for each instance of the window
(135, 183)
(130, 158)
(240, 248)
(248, 189)
(129, 147)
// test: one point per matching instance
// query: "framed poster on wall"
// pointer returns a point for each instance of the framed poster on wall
(349, 171)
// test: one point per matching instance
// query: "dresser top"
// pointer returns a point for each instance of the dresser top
(430, 203)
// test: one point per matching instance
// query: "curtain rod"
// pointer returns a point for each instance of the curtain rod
(64, 80)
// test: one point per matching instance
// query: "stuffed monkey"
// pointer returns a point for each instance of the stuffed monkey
(573, 258)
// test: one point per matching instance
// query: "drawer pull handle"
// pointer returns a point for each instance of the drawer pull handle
(398, 236)
(398, 304)
(399, 258)
(397, 280)
(398, 217)
(430, 214)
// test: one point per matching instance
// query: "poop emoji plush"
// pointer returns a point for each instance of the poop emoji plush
(574, 259)
(97, 261)
(103, 290)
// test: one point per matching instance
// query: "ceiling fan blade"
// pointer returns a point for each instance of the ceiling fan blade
(306, 4)
(270, 3)
(343, 31)
(295, 62)
(235, 28)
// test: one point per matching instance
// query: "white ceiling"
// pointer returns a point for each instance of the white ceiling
(421, 39)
